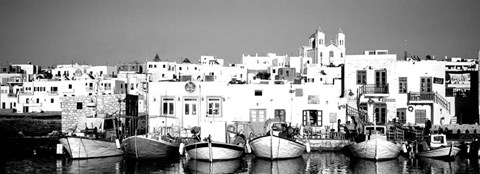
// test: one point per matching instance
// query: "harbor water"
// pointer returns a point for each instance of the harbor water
(315, 162)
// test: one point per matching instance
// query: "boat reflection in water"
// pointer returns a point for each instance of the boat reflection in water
(438, 166)
(294, 165)
(379, 167)
(157, 165)
(226, 166)
(93, 165)
(327, 162)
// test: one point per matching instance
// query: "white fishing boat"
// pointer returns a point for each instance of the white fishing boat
(97, 141)
(216, 147)
(86, 147)
(376, 146)
(273, 146)
(438, 148)
(214, 151)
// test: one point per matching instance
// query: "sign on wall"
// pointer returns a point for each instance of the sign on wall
(313, 99)
(437, 80)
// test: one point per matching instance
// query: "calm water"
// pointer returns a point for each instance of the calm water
(316, 162)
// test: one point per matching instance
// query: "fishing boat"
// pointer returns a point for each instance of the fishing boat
(273, 146)
(100, 140)
(375, 146)
(438, 148)
(153, 145)
(216, 147)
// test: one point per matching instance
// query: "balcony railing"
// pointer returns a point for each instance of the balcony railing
(12, 95)
(374, 89)
(421, 96)
(429, 96)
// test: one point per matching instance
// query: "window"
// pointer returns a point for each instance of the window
(190, 106)
(51, 100)
(150, 66)
(341, 55)
(214, 106)
(402, 85)
(361, 77)
(273, 71)
(38, 100)
(258, 92)
(69, 86)
(168, 108)
(280, 114)
(312, 118)
(425, 84)
(79, 105)
(330, 54)
(401, 115)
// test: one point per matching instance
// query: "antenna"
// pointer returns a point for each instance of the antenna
(405, 49)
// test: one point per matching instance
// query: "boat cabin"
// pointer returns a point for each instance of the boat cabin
(438, 140)
(375, 131)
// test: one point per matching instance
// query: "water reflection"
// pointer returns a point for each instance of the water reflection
(315, 162)
(108, 164)
(379, 167)
(296, 165)
(327, 162)
(160, 165)
(228, 166)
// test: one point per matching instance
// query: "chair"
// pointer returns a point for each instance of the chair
(400, 134)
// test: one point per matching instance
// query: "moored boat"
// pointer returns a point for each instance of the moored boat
(147, 147)
(214, 151)
(376, 146)
(273, 147)
(216, 146)
(98, 141)
(438, 148)
(79, 147)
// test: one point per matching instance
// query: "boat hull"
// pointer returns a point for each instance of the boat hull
(272, 147)
(443, 152)
(84, 147)
(375, 149)
(140, 147)
(214, 151)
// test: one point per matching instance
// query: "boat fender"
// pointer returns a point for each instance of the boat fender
(247, 146)
(307, 145)
(59, 149)
(117, 142)
(468, 148)
(404, 148)
(181, 148)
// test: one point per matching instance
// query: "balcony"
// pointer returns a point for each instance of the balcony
(371, 90)
(428, 97)
(421, 97)
(12, 95)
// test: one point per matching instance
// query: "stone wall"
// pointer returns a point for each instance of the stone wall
(91, 106)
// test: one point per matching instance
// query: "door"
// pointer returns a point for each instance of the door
(190, 112)
(257, 120)
(380, 111)
(420, 116)
(380, 81)
(425, 84)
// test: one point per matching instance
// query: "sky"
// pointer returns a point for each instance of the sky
(50, 32)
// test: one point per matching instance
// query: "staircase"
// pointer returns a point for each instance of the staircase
(429, 96)
(359, 115)
(442, 101)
